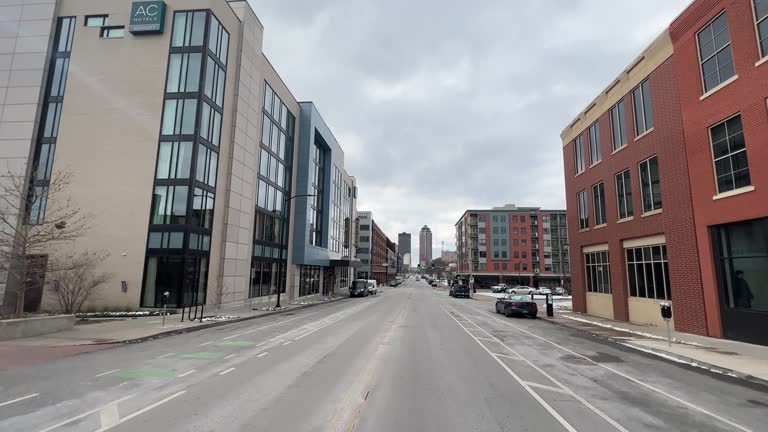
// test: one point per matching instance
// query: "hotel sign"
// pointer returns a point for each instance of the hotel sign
(147, 17)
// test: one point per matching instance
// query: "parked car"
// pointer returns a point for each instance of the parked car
(543, 291)
(373, 287)
(393, 283)
(459, 291)
(558, 291)
(512, 304)
(359, 288)
(521, 289)
(500, 288)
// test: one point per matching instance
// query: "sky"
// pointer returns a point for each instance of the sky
(442, 106)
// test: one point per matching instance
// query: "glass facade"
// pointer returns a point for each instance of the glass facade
(270, 229)
(315, 216)
(45, 147)
(184, 193)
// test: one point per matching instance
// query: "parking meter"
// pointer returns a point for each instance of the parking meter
(550, 305)
(666, 313)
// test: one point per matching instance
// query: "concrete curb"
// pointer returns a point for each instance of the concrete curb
(214, 324)
(669, 357)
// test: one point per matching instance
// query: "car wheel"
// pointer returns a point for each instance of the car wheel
(533, 316)
(507, 312)
(497, 308)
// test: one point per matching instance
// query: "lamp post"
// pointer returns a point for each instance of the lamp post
(286, 201)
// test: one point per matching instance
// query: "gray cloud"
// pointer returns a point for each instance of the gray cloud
(443, 106)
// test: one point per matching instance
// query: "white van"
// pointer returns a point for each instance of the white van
(373, 287)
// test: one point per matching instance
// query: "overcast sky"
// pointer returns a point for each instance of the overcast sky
(441, 106)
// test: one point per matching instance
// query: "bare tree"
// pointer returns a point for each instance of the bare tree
(35, 222)
(76, 281)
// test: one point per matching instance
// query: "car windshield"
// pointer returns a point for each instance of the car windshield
(520, 298)
(359, 284)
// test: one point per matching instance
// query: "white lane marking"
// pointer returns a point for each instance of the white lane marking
(286, 343)
(107, 373)
(109, 417)
(623, 375)
(592, 408)
(260, 344)
(206, 343)
(165, 355)
(19, 399)
(226, 371)
(187, 373)
(263, 354)
(284, 321)
(486, 339)
(230, 356)
(546, 387)
(85, 414)
(321, 327)
(513, 357)
(527, 388)
(145, 409)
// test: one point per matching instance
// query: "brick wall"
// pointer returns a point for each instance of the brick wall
(675, 221)
(746, 95)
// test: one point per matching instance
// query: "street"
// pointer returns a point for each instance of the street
(408, 359)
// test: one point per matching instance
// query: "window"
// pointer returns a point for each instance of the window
(202, 208)
(188, 29)
(578, 150)
(525, 266)
(516, 254)
(730, 155)
(761, 12)
(503, 230)
(524, 242)
(583, 210)
(504, 254)
(481, 230)
(742, 264)
(365, 239)
(214, 82)
(525, 254)
(515, 242)
(495, 218)
(523, 231)
(624, 194)
(504, 242)
(715, 53)
(316, 201)
(495, 266)
(514, 231)
(618, 126)
(169, 205)
(514, 219)
(218, 41)
(207, 162)
(598, 197)
(116, 32)
(504, 266)
(641, 98)
(183, 73)
(595, 155)
(179, 117)
(210, 124)
(96, 20)
(648, 272)
(482, 254)
(174, 160)
(482, 218)
(598, 272)
(650, 186)
(522, 219)
(495, 254)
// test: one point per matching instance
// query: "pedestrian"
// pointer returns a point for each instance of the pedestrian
(742, 294)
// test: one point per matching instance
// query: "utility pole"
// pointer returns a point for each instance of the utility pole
(286, 202)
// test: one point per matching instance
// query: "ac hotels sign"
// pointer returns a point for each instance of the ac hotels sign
(147, 17)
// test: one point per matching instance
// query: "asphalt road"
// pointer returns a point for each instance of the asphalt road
(409, 359)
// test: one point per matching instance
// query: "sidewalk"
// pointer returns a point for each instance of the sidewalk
(723, 356)
(95, 334)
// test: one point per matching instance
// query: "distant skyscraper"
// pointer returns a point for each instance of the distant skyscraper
(425, 246)
(404, 243)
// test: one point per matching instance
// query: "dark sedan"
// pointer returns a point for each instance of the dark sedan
(513, 304)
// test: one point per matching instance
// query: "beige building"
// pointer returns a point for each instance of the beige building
(180, 136)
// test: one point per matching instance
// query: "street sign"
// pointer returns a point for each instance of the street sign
(471, 279)
(536, 270)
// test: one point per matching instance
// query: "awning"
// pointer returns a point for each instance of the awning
(346, 263)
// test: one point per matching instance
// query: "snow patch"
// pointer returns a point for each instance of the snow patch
(626, 330)
(220, 317)
(680, 360)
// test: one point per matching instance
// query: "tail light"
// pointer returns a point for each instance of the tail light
(513, 304)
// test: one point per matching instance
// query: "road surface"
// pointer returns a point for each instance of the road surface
(409, 359)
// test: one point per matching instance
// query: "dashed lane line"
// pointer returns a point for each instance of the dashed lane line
(19, 399)
(263, 354)
(187, 373)
(226, 371)
(85, 414)
(230, 356)
(142, 411)
(283, 322)
(287, 343)
(165, 355)
(107, 373)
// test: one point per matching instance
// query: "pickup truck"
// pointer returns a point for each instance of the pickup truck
(459, 291)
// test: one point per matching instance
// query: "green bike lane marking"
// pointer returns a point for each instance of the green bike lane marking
(202, 356)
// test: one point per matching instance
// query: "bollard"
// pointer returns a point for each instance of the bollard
(165, 303)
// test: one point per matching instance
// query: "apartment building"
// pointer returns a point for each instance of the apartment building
(665, 179)
(182, 143)
(365, 231)
(516, 245)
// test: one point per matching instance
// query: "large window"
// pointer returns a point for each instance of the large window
(650, 185)
(730, 155)
(183, 72)
(174, 160)
(169, 205)
(761, 13)
(598, 272)
(179, 116)
(316, 201)
(624, 194)
(715, 53)
(618, 126)
(578, 154)
(598, 197)
(583, 210)
(641, 99)
(743, 256)
(188, 29)
(595, 155)
(648, 272)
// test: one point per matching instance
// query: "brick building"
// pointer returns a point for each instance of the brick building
(379, 253)
(664, 192)
(517, 245)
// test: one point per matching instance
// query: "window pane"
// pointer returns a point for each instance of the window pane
(193, 72)
(164, 160)
(179, 211)
(188, 119)
(169, 117)
(179, 26)
(262, 199)
(648, 109)
(160, 205)
(198, 29)
(637, 100)
(267, 98)
(655, 184)
(266, 128)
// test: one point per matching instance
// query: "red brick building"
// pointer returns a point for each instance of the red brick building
(378, 253)
(515, 245)
(666, 180)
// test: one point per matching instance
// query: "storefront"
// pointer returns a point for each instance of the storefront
(741, 251)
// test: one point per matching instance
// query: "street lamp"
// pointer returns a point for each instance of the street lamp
(286, 200)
